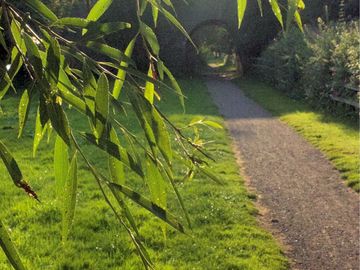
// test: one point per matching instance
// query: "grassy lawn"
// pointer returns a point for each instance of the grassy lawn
(337, 138)
(225, 233)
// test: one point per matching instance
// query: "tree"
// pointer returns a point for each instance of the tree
(55, 53)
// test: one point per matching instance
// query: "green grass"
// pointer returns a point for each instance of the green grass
(225, 233)
(337, 138)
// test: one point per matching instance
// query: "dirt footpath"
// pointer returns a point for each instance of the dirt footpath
(307, 203)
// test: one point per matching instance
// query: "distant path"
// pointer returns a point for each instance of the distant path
(306, 201)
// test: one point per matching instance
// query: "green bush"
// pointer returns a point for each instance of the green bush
(315, 65)
(282, 62)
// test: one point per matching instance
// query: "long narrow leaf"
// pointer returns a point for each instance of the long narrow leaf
(150, 206)
(9, 249)
(14, 170)
(61, 164)
(42, 9)
(101, 105)
(118, 84)
(277, 12)
(23, 111)
(241, 6)
(69, 203)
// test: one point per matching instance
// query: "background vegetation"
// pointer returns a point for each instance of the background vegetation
(314, 65)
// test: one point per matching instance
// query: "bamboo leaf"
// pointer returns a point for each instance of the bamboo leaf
(298, 20)
(101, 105)
(61, 165)
(175, 22)
(155, 14)
(260, 7)
(98, 9)
(58, 119)
(150, 206)
(23, 111)
(175, 85)
(108, 51)
(69, 203)
(53, 63)
(96, 31)
(121, 72)
(212, 124)
(116, 168)
(33, 54)
(116, 151)
(14, 170)
(150, 37)
(277, 12)
(10, 249)
(42, 9)
(16, 63)
(149, 87)
(39, 132)
(241, 7)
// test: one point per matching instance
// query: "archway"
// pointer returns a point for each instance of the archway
(216, 54)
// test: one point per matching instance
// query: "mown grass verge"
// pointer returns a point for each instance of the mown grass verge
(225, 233)
(337, 138)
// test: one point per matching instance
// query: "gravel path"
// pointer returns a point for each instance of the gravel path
(306, 201)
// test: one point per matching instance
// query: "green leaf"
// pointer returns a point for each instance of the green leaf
(116, 151)
(116, 168)
(155, 14)
(11, 165)
(16, 64)
(10, 249)
(69, 202)
(298, 20)
(97, 31)
(118, 84)
(150, 37)
(16, 34)
(14, 170)
(72, 21)
(61, 165)
(42, 9)
(39, 132)
(23, 110)
(98, 9)
(241, 7)
(108, 51)
(152, 124)
(156, 185)
(175, 22)
(33, 54)
(150, 206)
(53, 63)
(89, 87)
(58, 119)
(155, 182)
(260, 7)
(149, 87)
(101, 105)
(277, 12)
(175, 85)
(212, 124)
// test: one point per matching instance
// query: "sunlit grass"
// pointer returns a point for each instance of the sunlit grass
(225, 233)
(337, 138)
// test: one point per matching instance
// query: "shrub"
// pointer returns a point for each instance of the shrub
(315, 65)
(281, 64)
